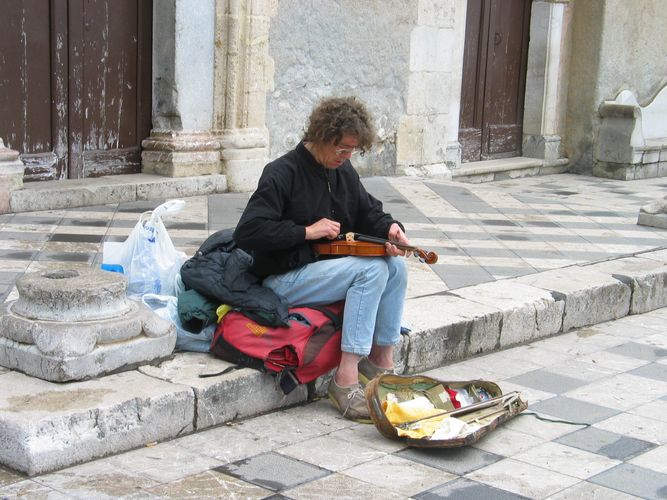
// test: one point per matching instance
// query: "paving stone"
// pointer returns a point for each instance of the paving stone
(634, 480)
(9, 477)
(638, 350)
(399, 475)
(507, 442)
(99, 479)
(590, 491)
(209, 484)
(548, 381)
(573, 410)
(523, 479)
(340, 486)
(606, 443)
(655, 371)
(657, 410)
(273, 471)
(370, 437)
(330, 453)
(31, 489)
(655, 459)
(646, 429)
(622, 392)
(566, 460)
(455, 460)
(465, 489)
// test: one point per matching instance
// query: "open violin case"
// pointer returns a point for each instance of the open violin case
(429, 413)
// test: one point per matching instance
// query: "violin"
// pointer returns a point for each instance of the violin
(367, 246)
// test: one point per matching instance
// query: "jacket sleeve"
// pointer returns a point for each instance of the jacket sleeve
(262, 226)
(371, 218)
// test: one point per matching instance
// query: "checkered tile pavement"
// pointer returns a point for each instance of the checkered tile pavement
(600, 394)
(482, 232)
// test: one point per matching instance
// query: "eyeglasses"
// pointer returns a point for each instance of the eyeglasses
(346, 151)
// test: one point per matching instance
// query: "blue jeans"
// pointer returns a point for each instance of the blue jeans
(373, 289)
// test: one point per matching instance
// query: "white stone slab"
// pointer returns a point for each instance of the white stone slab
(446, 328)
(646, 277)
(223, 398)
(105, 358)
(529, 313)
(590, 296)
(46, 426)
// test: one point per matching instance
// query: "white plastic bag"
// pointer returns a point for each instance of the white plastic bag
(149, 259)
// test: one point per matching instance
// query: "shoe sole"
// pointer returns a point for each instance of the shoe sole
(340, 410)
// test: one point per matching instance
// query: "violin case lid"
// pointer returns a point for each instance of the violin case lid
(429, 413)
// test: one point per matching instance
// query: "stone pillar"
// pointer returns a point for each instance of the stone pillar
(11, 175)
(242, 72)
(182, 142)
(427, 136)
(545, 80)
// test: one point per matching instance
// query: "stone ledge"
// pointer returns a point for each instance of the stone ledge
(46, 426)
(509, 168)
(54, 195)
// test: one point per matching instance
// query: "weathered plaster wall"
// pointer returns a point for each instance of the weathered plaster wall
(343, 47)
(616, 45)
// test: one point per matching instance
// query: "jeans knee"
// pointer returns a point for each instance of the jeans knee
(398, 271)
(375, 269)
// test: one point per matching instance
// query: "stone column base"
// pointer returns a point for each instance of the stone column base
(546, 147)
(244, 155)
(180, 154)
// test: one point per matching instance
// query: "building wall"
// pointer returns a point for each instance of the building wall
(616, 45)
(402, 58)
(322, 49)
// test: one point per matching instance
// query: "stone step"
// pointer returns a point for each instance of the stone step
(47, 426)
(507, 168)
(71, 193)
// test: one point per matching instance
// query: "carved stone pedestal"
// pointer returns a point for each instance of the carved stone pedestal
(77, 324)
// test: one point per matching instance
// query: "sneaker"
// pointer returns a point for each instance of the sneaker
(368, 371)
(350, 401)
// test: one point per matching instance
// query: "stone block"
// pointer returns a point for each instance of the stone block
(528, 313)
(180, 163)
(46, 426)
(238, 394)
(446, 328)
(182, 187)
(426, 52)
(103, 359)
(646, 277)
(590, 296)
(653, 220)
(34, 199)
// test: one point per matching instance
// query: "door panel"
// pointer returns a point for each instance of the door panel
(75, 85)
(494, 71)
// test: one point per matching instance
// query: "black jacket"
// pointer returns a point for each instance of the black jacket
(221, 271)
(295, 191)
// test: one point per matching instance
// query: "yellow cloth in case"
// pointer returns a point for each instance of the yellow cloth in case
(408, 411)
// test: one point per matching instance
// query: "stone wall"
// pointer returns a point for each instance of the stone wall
(616, 45)
(320, 49)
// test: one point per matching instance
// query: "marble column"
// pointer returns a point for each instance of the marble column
(182, 142)
(243, 71)
(545, 79)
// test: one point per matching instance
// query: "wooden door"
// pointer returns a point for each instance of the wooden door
(75, 85)
(494, 77)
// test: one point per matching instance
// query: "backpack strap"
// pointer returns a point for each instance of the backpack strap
(336, 319)
(226, 370)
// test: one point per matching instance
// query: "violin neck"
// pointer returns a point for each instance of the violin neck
(382, 241)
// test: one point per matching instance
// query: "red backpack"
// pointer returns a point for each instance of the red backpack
(307, 348)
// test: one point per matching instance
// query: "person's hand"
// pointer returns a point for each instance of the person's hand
(323, 228)
(397, 235)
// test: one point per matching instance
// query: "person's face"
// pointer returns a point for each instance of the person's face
(333, 155)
